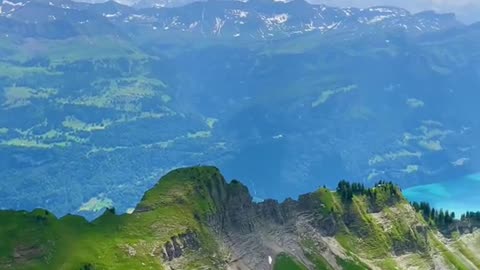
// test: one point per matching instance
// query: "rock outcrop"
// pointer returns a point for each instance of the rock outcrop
(179, 244)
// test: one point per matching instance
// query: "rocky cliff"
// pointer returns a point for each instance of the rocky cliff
(194, 219)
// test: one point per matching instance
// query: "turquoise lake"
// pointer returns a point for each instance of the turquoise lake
(460, 195)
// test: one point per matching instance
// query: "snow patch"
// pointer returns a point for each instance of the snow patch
(347, 12)
(137, 17)
(332, 26)
(276, 19)
(193, 25)
(382, 10)
(112, 15)
(239, 13)
(6, 2)
(310, 27)
(378, 19)
(218, 26)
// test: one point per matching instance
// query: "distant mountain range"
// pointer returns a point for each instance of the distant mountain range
(256, 19)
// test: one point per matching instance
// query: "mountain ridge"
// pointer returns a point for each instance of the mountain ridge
(264, 20)
(194, 219)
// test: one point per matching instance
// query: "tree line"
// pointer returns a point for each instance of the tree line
(347, 190)
(437, 217)
(471, 216)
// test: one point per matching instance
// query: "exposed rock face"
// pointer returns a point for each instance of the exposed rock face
(177, 245)
(27, 253)
(254, 231)
(251, 232)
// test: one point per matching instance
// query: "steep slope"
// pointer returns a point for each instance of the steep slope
(193, 219)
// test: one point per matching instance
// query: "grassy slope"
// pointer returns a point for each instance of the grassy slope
(379, 241)
(285, 262)
(363, 230)
(72, 242)
(469, 254)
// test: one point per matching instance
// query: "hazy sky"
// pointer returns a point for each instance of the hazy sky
(467, 10)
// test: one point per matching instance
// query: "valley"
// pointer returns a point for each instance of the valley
(330, 93)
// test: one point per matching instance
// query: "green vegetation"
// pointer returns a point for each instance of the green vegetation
(211, 122)
(439, 218)
(16, 72)
(469, 254)
(199, 134)
(415, 103)
(29, 143)
(367, 232)
(432, 145)
(285, 262)
(371, 220)
(329, 93)
(121, 94)
(41, 241)
(446, 253)
(351, 265)
(411, 168)
(331, 203)
(381, 195)
(100, 48)
(21, 96)
(78, 125)
(472, 216)
(319, 262)
(391, 156)
(314, 255)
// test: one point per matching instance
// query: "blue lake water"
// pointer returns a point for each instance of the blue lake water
(460, 195)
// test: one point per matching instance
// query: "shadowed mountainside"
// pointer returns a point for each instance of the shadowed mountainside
(117, 96)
